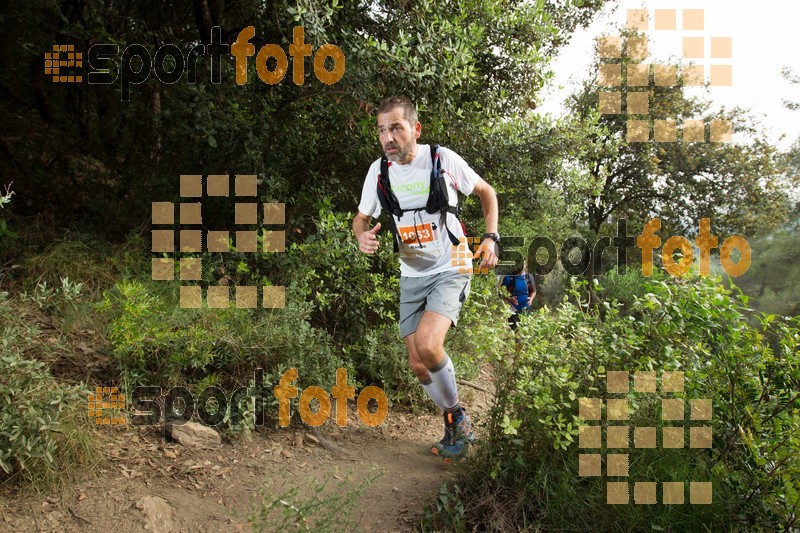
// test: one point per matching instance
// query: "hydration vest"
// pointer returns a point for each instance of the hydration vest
(438, 198)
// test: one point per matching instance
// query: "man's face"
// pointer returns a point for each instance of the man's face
(398, 136)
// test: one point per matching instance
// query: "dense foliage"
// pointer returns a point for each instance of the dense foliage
(467, 63)
(527, 471)
(41, 437)
(738, 185)
(86, 164)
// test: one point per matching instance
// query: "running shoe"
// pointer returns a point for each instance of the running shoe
(458, 435)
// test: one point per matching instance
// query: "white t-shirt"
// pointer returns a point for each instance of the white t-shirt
(426, 248)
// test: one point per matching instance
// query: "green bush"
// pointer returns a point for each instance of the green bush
(5, 198)
(482, 333)
(40, 433)
(526, 471)
(43, 433)
(154, 338)
(379, 358)
(350, 291)
(624, 288)
(156, 342)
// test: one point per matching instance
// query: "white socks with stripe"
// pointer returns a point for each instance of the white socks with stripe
(443, 378)
(434, 393)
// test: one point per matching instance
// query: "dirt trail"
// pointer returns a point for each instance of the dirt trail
(216, 490)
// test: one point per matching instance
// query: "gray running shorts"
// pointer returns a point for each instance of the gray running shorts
(442, 293)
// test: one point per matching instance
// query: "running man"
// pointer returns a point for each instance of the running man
(432, 289)
(518, 291)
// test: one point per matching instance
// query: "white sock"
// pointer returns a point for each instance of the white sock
(444, 377)
(434, 393)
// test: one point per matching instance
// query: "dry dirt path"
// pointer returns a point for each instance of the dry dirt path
(216, 489)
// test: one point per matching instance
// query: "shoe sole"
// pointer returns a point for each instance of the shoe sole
(451, 460)
(435, 450)
(447, 457)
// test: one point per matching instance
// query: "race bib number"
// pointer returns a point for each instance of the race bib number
(416, 235)
(421, 245)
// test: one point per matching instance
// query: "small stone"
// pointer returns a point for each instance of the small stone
(286, 453)
(157, 514)
(169, 454)
(193, 434)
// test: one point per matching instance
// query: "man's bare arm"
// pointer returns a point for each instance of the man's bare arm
(488, 199)
(367, 241)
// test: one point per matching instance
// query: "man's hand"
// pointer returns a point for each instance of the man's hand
(368, 242)
(487, 252)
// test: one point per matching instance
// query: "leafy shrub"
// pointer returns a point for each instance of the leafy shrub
(350, 291)
(482, 333)
(40, 434)
(42, 427)
(155, 342)
(5, 198)
(624, 288)
(152, 337)
(61, 297)
(526, 471)
(380, 359)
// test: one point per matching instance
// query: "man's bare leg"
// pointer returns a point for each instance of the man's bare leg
(421, 372)
(432, 366)
(429, 344)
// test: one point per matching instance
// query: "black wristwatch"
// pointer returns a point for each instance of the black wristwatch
(494, 236)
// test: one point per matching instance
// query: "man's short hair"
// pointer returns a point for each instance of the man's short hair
(409, 111)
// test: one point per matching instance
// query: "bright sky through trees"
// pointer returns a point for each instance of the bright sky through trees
(765, 38)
